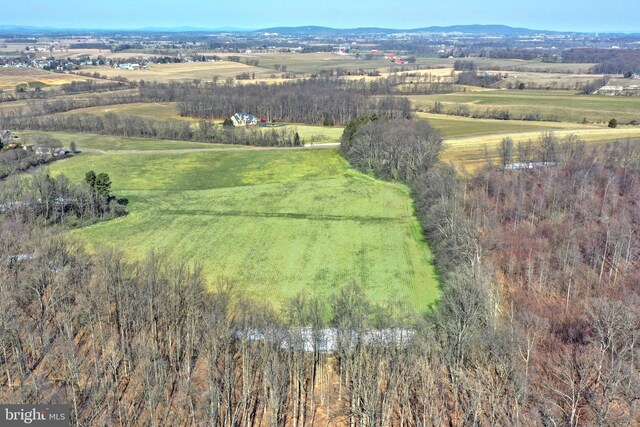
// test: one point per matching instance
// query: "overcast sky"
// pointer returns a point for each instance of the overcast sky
(561, 15)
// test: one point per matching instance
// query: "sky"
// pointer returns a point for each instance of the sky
(559, 15)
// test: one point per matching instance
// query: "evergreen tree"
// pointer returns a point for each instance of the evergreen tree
(103, 185)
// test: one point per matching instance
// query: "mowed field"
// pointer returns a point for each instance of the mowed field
(565, 106)
(273, 222)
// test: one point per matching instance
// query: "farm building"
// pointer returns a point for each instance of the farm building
(129, 66)
(244, 119)
(45, 150)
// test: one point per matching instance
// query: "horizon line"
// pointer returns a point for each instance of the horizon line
(189, 28)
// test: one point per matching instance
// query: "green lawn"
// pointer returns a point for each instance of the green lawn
(275, 222)
(565, 106)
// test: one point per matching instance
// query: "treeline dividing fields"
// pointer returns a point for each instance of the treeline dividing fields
(17, 110)
(321, 101)
(132, 126)
(290, 101)
(609, 61)
(73, 87)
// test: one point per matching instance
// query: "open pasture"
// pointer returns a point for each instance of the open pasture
(273, 222)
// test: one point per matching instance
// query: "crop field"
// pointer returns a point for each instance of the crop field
(563, 106)
(184, 71)
(30, 78)
(531, 66)
(153, 111)
(474, 151)
(315, 62)
(454, 126)
(546, 80)
(273, 222)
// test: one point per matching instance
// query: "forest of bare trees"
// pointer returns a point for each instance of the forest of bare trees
(334, 101)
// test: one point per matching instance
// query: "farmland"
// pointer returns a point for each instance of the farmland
(273, 222)
(454, 126)
(309, 134)
(471, 152)
(185, 71)
(276, 222)
(31, 78)
(564, 106)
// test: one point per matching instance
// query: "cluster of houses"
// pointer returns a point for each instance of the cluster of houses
(8, 141)
(400, 60)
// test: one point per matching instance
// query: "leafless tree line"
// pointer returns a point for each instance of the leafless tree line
(134, 126)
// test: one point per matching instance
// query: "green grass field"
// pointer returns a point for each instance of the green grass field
(274, 222)
(565, 106)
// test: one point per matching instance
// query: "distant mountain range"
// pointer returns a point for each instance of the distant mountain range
(300, 31)
(469, 29)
